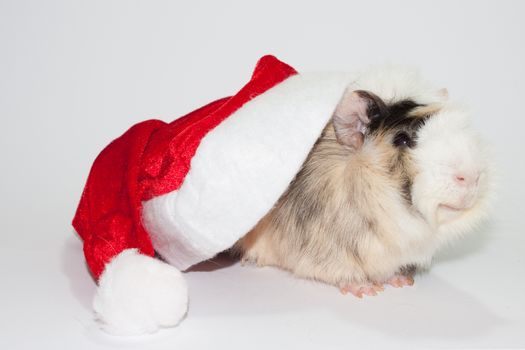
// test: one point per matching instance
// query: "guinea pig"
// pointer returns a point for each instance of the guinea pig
(396, 174)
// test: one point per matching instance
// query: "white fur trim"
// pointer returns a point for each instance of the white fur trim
(241, 168)
(138, 294)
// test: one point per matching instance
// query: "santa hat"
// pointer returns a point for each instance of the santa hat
(191, 188)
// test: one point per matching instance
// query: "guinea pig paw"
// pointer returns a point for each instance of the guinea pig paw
(359, 290)
(399, 281)
(139, 294)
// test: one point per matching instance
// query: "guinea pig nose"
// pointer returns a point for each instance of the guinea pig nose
(460, 178)
(464, 179)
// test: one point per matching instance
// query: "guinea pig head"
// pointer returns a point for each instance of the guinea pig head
(452, 184)
(429, 150)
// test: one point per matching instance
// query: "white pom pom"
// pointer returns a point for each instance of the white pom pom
(138, 294)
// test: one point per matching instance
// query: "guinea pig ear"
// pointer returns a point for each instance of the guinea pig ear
(353, 114)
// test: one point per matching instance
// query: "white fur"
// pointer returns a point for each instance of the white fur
(139, 294)
(395, 83)
(448, 147)
(241, 168)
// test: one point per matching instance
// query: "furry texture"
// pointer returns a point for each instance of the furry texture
(139, 294)
(364, 212)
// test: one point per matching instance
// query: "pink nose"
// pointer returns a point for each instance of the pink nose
(463, 179)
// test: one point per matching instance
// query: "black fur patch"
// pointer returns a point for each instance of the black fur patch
(396, 117)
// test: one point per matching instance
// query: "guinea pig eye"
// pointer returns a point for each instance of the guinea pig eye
(402, 140)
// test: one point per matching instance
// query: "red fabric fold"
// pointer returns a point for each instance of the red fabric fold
(152, 158)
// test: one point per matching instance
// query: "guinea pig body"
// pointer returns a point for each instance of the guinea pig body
(389, 181)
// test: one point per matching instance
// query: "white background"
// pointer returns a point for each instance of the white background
(74, 75)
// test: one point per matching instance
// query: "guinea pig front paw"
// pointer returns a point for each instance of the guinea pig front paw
(360, 289)
(399, 281)
(138, 294)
